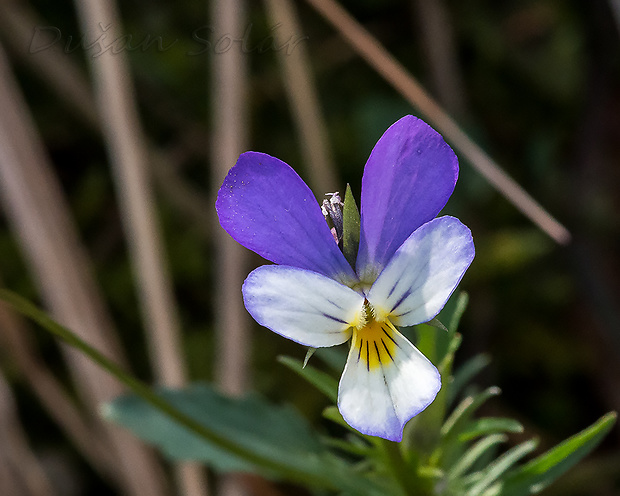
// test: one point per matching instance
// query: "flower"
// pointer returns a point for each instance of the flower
(408, 264)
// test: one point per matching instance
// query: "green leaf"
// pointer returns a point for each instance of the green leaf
(451, 447)
(470, 457)
(322, 381)
(351, 228)
(501, 465)
(427, 340)
(536, 475)
(489, 425)
(447, 320)
(272, 432)
(445, 366)
(457, 312)
(422, 433)
(455, 424)
(353, 447)
(465, 373)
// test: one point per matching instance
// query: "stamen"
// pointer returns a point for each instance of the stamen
(367, 315)
(377, 337)
(332, 211)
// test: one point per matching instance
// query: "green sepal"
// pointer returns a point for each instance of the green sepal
(309, 354)
(350, 228)
(437, 324)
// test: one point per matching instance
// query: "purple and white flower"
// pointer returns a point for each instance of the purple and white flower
(408, 264)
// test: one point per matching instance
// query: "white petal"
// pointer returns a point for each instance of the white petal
(301, 305)
(378, 400)
(423, 273)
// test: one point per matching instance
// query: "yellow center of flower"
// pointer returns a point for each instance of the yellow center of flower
(374, 342)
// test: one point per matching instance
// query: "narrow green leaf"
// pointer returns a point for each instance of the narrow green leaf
(423, 432)
(427, 339)
(461, 304)
(501, 465)
(450, 316)
(470, 457)
(536, 475)
(489, 425)
(351, 228)
(445, 366)
(455, 424)
(465, 373)
(451, 447)
(353, 448)
(322, 381)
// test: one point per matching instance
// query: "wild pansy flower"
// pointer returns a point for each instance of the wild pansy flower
(408, 264)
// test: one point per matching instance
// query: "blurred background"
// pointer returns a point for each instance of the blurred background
(119, 122)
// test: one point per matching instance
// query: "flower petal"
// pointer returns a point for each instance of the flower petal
(407, 180)
(378, 400)
(423, 273)
(266, 207)
(301, 305)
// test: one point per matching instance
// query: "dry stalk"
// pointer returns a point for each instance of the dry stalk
(394, 73)
(37, 211)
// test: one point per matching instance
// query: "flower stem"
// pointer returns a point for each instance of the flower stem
(403, 473)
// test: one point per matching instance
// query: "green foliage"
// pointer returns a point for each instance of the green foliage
(276, 433)
(534, 476)
(442, 455)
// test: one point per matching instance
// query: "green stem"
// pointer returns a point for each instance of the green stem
(402, 472)
(27, 309)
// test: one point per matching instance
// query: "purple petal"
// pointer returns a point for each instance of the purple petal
(266, 207)
(407, 180)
